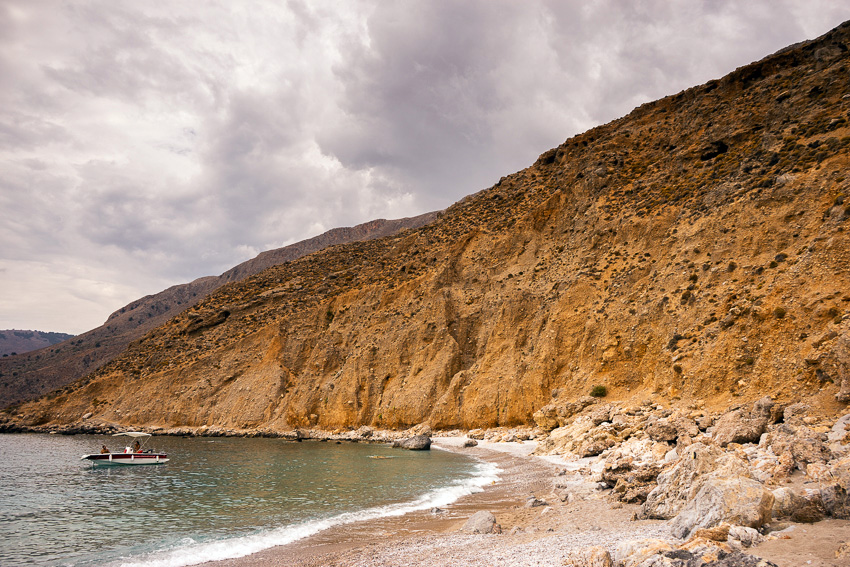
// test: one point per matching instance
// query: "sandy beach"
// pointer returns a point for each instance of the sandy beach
(540, 535)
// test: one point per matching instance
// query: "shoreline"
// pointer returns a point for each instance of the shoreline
(413, 539)
(543, 535)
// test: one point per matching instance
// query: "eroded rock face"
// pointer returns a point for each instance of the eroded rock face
(734, 500)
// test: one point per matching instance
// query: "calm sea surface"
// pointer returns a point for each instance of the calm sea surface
(217, 498)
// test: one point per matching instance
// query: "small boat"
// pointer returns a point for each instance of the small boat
(130, 455)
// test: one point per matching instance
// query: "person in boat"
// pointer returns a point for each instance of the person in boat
(137, 448)
(104, 450)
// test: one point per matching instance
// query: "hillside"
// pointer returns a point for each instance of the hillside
(35, 373)
(15, 341)
(695, 251)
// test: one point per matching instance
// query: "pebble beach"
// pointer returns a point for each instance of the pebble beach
(537, 528)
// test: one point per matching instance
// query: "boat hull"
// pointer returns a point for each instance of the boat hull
(124, 459)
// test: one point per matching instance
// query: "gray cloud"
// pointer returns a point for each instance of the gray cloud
(147, 144)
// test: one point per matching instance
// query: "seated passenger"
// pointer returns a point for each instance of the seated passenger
(104, 450)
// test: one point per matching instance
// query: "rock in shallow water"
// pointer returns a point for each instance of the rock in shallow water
(415, 443)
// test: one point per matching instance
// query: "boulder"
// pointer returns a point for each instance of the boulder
(717, 533)
(735, 500)
(554, 415)
(784, 502)
(744, 536)
(674, 427)
(482, 522)
(839, 436)
(835, 496)
(415, 443)
(631, 483)
(679, 484)
(634, 552)
(602, 413)
(470, 443)
(595, 556)
(476, 434)
(743, 426)
(534, 502)
(803, 444)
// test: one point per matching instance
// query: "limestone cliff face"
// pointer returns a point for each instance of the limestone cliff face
(695, 250)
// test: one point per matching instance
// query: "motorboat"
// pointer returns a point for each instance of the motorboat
(135, 455)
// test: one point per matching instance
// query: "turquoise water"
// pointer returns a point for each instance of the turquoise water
(217, 498)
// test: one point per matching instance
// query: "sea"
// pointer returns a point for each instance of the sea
(217, 498)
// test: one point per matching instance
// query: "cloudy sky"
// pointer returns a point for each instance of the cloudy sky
(144, 144)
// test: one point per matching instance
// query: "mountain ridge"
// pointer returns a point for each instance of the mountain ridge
(27, 377)
(694, 251)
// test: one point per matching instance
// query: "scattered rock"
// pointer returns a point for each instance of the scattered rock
(634, 552)
(803, 444)
(554, 415)
(742, 426)
(595, 556)
(534, 502)
(717, 533)
(746, 537)
(482, 522)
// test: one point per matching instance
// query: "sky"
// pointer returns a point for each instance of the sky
(146, 144)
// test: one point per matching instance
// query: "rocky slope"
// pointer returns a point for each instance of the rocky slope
(14, 341)
(695, 251)
(29, 376)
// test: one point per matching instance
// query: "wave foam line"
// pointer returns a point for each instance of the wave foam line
(192, 553)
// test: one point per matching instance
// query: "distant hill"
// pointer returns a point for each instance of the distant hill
(14, 341)
(29, 375)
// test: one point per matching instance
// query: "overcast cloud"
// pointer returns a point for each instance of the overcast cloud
(144, 144)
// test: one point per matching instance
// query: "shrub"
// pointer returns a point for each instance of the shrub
(732, 266)
(779, 312)
(599, 391)
(677, 369)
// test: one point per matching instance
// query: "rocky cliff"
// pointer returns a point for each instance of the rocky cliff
(29, 376)
(695, 251)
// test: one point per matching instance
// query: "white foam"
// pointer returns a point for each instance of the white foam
(190, 552)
